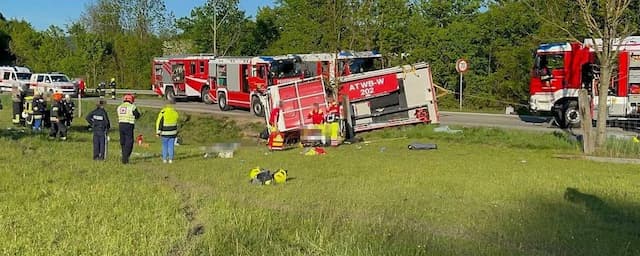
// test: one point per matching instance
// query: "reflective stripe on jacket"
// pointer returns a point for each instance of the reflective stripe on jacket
(167, 122)
(126, 113)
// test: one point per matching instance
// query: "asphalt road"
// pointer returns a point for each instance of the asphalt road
(530, 123)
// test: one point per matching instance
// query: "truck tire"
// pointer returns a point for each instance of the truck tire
(222, 102)
(257, 107)
(170, 94)
(571, 115)
(205, 95)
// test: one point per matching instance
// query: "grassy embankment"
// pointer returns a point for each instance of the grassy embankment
(485, 192)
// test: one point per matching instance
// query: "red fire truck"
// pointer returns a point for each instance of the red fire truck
(182, 76)
(229, 81)
(376, 99)
(239, 81)
(561, 69)
(332, 66)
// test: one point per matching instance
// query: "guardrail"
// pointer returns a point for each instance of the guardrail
(122, 91)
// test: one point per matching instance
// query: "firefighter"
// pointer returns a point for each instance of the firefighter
(99, 122)
(17, 96)
(167, 129)
(275, 116)
(57, 118)
(317, 119)
(112, 85)
(39, 107)
(127, 115)
(81, 87)
(101, 89)
(69, 108)
(333, 122)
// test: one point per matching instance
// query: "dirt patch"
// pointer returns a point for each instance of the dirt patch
(189, 210)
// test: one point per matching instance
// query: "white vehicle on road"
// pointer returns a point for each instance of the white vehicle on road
(52, 82)
(13, 76)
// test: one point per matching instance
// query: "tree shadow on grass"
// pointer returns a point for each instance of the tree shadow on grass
(574, 223)
(14, 134)
(604, 211)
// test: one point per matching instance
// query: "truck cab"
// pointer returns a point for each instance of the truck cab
(52, 82)
(14, 76)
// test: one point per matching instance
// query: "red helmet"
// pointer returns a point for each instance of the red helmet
(57, 96)
(128, 98)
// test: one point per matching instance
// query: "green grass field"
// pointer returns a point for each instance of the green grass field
(485, 192)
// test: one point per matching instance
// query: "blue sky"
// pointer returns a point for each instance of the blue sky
(43, 13)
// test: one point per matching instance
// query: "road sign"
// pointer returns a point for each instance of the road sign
(462, 66)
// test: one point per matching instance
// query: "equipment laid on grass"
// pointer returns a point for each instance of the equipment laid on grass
(265, 177)
(220, 150)
(422, 146)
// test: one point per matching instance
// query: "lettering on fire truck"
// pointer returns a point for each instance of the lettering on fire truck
(369, 87)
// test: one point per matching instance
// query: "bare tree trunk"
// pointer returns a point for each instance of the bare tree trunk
(603, 112)
(587, 129)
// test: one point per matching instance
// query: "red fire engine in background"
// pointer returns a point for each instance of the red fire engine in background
(331, 65)
(229, 81)
(562, 69)
(237, 82)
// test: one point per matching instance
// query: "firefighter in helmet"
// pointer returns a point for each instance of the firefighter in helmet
(69, 108)
(112, 85)
(127, 115)
(57, 117)
(333, 122)
(17, 96)
(39, 107)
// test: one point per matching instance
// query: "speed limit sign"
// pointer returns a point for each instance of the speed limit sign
(462, 66)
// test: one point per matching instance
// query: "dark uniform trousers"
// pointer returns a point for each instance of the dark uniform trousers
(126, 140)
(17, 112)
(99, 145)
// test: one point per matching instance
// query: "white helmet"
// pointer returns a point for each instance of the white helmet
(67, 97)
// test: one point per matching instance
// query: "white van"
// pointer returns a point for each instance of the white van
(14, 76)
(52, 82)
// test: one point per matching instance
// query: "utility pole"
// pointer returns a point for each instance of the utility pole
(215, 29)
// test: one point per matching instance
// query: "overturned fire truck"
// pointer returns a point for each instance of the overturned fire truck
(370, 100)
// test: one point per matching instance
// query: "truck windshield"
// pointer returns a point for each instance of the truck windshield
(23, 76)
(549, 61)
(284, 68)
(364, 65)
(59, 78)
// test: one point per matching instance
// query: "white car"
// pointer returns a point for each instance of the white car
(14, 76)
(52, 82)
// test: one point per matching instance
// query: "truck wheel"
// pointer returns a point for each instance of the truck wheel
(571, 115)
(169, 94)
(257, 107)
(205, 95)
(222, 102)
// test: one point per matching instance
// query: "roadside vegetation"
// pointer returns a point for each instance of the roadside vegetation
(482, 192)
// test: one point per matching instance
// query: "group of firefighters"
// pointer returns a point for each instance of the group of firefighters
(326, 125)
(34, 112)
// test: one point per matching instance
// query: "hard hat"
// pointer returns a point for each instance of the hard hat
(254, 172)
(280, 176)
(57, 96)
(128, 98)
(67, 96)
(113, 79)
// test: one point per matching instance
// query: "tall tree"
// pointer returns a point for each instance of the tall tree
(216, 27)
